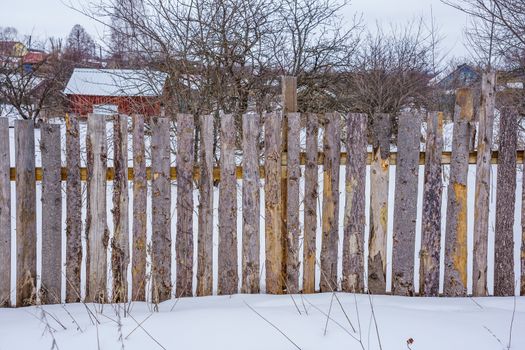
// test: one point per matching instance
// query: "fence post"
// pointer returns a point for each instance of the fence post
(330, 215)
(483, 166)
(431, 220)
(184, 239)
(25, 213)
(505, 201)
(228, 278)
(205, 227)
(310, 203)
(5, 215)
(273, 203)
(140, 204)
(405, 203)
(120, 242)
(456, 228)
(250, 203)
(354, 219)
(51, 275)
(379, 167)
(161, 209)
(96, 223)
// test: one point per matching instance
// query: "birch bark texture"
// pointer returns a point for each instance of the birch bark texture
(5, 215)
(250, 203)
(456, 227)
(405, 203)
(483, 167)
(431, 220)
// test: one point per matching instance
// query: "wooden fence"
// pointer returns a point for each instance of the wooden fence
(344, 144)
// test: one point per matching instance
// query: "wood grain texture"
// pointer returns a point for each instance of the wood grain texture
(161, 214)
(96, 223)
(311, 195)
(228, 276)
(504, 282)
(354, 218)
(25, 213)
(184, 239)
(120, 243)
(273, 203)
(5, 215)
(51, 275)
(140, 207)
(250, 204)
(380, 136)
(483, 167)
(456, 227)
(431, 220)
(330, 209)
(205, 227)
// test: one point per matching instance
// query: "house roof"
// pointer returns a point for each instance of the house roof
(116, 82)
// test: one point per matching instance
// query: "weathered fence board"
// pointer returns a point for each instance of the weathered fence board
(310, 203)
(273, 204)
(120, 241)
(379, 168)
(96, 222)
(405, 203)
(5, 215)
(292, 210)
(330, 213)
(228, 276)
(456, 227)
(205, 227)
(51, 275)
(483, 166)
(140, 204)
(431, 219)
(354, 219)
(505, 202)
(250, 203)
(160, 206)
(25, 213)
(184, 240)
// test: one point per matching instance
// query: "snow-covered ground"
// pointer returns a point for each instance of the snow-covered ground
(272, 322)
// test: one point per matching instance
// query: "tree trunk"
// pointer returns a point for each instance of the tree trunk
(5, 215)
(431, 220)
(483, 166)
(405, 203)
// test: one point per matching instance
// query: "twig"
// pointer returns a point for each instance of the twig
(74, 320)
(138, 326)
(375, 321)
(512, 323)
(148, 334)
(328, 316)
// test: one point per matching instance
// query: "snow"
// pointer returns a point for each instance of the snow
(236, 322)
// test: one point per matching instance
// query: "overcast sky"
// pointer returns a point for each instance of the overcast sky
(43, 18)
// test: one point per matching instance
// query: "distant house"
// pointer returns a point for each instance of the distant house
(463, 76)
(112, 91)
(9, 48)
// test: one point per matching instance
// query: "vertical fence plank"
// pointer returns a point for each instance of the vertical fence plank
(140, 205)
(184, 239)
(5, 215)
(25, 213)
(330, 210)
(456, 227)
(380, 135)
(354, 219)
(310, 203)
(250, 203)
(483, 166)
(505, 201)
(120, 242)
(292, 211)
(205, 234)
(228, 278)
(160, 205)
(272, 197)
(96, 223)
(51, 275)
(405, 203)
(431, 220)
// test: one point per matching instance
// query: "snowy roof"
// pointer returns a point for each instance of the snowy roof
(115, 82)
